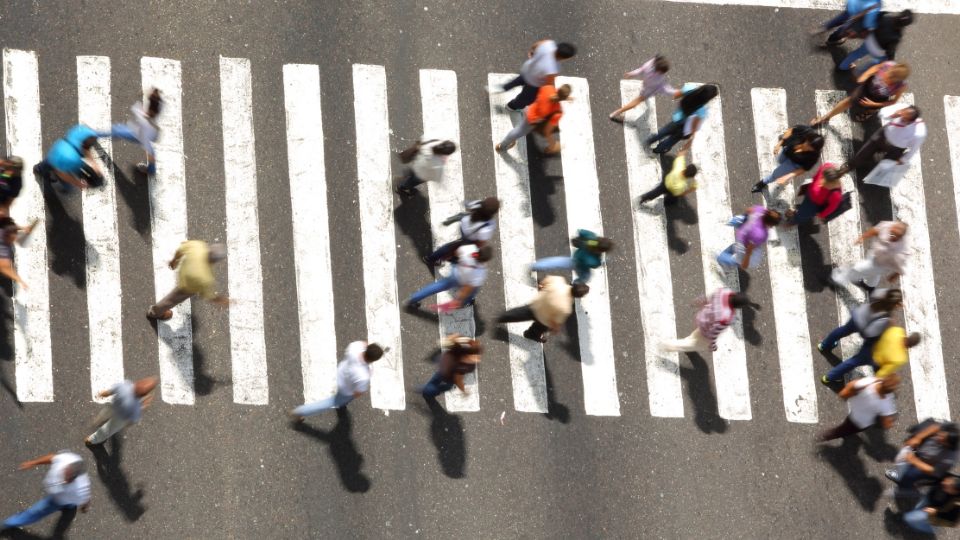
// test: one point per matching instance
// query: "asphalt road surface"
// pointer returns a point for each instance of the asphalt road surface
(220, 469)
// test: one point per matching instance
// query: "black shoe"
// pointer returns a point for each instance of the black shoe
(757, 188)
(534, 337)
(868, 289)
(411, 306)
(403, 192)
(511, 109)
(428, 261)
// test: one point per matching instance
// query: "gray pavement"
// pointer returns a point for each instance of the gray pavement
(223, 470)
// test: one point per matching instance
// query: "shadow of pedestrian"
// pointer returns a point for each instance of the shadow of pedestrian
(543, 186)
(571, 341)
(877, 447)
(413, 219)
(203, 381)
(706, 415)
(555, 411)
(116, 481)
(814, 266)
(59, 530)
(342, 449)
(446, 432)
(134, 192)
(6, 317)
(66, 243)
(847, 463)
(479, 324)
(748, 315)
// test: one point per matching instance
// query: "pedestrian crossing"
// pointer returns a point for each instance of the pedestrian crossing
(660, 318)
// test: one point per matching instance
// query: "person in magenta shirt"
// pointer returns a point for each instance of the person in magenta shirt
(751, 235)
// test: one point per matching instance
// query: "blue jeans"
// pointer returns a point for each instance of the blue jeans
(917, 519)
(442, 284)
(122, 131)
(837, 22)
(728, 257)
(668, 135)
(858, 53)
(864, 357)
(784, 166)
(435, 386)
(43, 508)
(838, 333)
(562, 262)
(333, 402)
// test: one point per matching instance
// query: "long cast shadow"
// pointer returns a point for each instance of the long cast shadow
(706, 414)
(342, 449)
(814, 266)
(203, 380)
(412, 218)
(555, 410)
(846, 461)
(448, 437)
(67, 243)
(133, 190)
(543, 186)
(116, 481)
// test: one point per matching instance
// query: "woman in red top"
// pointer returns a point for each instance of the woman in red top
(543, 115)
(823, 196)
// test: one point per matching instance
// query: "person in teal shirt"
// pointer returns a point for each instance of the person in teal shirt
(71, 160)
(587, 256)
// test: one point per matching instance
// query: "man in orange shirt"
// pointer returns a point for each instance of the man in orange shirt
(543, 115)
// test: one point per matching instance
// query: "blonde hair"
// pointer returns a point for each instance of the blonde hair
(899, 72)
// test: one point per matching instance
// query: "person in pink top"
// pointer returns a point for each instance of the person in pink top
(716, 313)
(653, 73)
(751, 236)
(822, 198)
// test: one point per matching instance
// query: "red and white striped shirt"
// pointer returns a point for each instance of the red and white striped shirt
(715, 315)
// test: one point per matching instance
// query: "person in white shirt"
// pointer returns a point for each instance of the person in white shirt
(141, 128)
(467, 276)
(540, 69)
(477, 225)
(549, 310)
(66, 484)
(353, 379)
(887, 257)
(129, 399)
(427, 165)
(870, 401)
(900, 138)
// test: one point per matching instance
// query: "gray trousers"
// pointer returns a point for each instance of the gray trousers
(519, 131)
(170, 301)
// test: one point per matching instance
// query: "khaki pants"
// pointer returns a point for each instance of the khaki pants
(694, 342)
(109, 426)
(170, 301)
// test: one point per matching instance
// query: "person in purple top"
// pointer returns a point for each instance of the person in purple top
(751, 235)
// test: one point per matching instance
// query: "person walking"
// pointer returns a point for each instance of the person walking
(71, 160)
(927, 457)
(859, 16)
(11, 237)
(540, 69)
(477, 225)
(716, 313)
(797, 151)
(939, 507)
(870, 320)
(11, 182)
(881, 43)
(549, 310)
(686, 120)
(901, 136)
(194, 261)
(878, 87)
(141, 129)
(821, 198)
(467, 275)
(750, 238)
(353, 379)
(587, 256)
(676, 184)
(887, 257)
(653, 73)
(128, 400)
(427, 164)
(890, 352)
(870, 401)
(66, 484)
(459, 356)
(543, 116)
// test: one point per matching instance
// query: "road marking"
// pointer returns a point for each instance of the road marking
(379, 240)
(441, 120)
(311, 231)
(784, 265)
(168, 213)
(597, 357)
(713, 207)
(244, 278)
(846, 228)
(950, 7)
(920, 295)
(31, 309)
(654, 280)
(101, 232)
(516, 251)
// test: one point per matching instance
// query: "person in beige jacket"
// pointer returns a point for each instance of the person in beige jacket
(549, 310)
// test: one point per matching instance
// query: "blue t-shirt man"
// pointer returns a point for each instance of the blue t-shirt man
(66, 155)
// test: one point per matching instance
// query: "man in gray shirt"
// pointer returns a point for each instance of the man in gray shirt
(540, 69)
(869, 319)
(126, 407)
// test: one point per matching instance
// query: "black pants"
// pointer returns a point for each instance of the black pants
(411, 182)
(660, 189)
(845, 429)
(526, 96)
(521, 314)
(877, 143)
(669, 135)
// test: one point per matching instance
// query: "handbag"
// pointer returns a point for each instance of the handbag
(410, 153)
(845, 204)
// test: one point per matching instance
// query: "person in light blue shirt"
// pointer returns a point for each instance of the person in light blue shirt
(71, 160)
(128, 399)
(860, 16)
(686, 120)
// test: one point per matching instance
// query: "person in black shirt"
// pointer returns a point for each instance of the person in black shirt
(11, 182)
(881, 43)
(797, 151)
(940, 506)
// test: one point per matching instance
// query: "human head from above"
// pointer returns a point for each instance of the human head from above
(579, 290)
(154, 103)
(565, 50)
(73, 470)
(563, 93)
(660, 64)
(486, 209)
(216, 253)
(144, 386)
(897, 231)
(372, 353)
(890, 383)
(693, 100)
(445, 148)
(949, 435)
(771, 218)
(10, 230)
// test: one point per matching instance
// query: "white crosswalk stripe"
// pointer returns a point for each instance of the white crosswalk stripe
(249, 354)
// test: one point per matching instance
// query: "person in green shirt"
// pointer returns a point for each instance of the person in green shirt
(678, 182)
(587, 256)
(195, 259)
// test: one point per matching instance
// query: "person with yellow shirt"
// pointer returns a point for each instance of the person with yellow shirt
(678, 182)
(890, 351)
(195, 259)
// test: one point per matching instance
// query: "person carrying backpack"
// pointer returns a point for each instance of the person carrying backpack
(797, 151)
(869, 319)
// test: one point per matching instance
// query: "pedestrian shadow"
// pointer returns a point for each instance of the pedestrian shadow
(66, 243)
(814, 265)
(6, 309)
(748, 316)
(877, 447)
(448, 437)
(59, 530)
(134, 191)
(847, 463)
(343, 450)
(413, 219)
(116, 481)
(555, 410)
(705, 413)
(571, 340)
(203, 380)
(874, 200)
(543, 186)
(479, 324)
(678, 210)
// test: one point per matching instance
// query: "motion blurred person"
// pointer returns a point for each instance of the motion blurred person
(459, 356)
(71, 160)
(859, 16)
(543, 115)
(540, 69)
(901, 137)
(587, 256)
(427, 164)
(549, 310)
(653, 73)
(141, 129)
(927, 457)
(128, 400)
(878, 87)
(822, 196)
(467, 275)
(881, 43)
(870, 320)
(11, 237)
(870, 401)
(797, 150)
(194, 276)
(686, 120)
(716, 313)
(676, 184)
(750, 238)
(477, 225)
(887, 257)
(66, 484)
(939, 507)
(353, 379)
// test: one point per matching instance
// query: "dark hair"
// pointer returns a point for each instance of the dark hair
(771, 217)
(8, 225)
(915, 109)
(155, 103)
(953, 434)
(913, 339)
(690, 171)
(88, 143)
(463, 347)
(832, 174)
(445, 148)
(904, 18)
(698, 97)
(484, 253)
(373, 353)
(740, 300)
(660, 64)
(603, 245)
(486, 209)
(816, 141)
(579, 290)
(890, 299)
(564, 92)
(565, 50)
